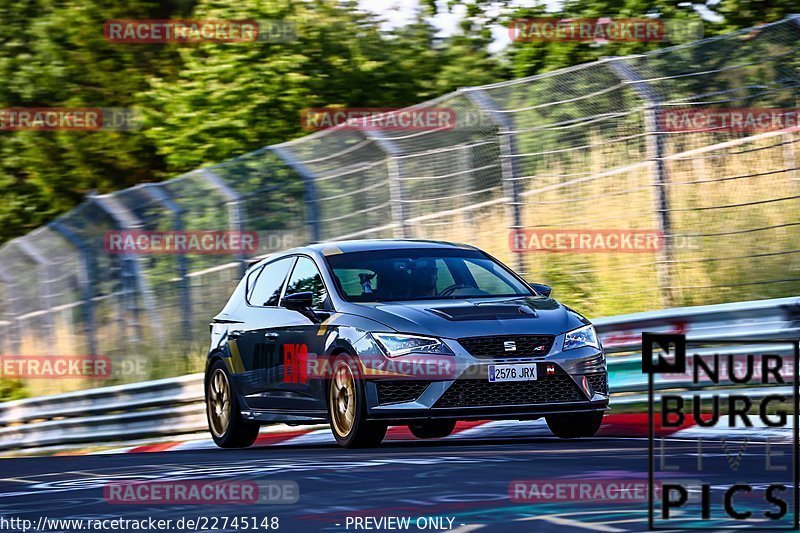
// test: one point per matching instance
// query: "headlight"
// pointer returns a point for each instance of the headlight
(578, 338)
(396, 344)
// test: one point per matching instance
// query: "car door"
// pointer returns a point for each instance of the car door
(257, 349)
(300, 342)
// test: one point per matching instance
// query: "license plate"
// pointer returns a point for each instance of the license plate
(520, 372)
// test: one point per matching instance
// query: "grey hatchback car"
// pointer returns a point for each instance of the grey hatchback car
(373, 333)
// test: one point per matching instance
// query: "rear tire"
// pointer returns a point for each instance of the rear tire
(347, 407)
(575, 425)
(433, 429)
(225, 422)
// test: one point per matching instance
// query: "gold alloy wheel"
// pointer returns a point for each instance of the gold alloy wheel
(219, 402)
(343, 399)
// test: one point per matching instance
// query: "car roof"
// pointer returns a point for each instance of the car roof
(362, 245)
(367, 245)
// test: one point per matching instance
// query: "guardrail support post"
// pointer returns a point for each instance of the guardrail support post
(86, 279)
(45, 281)
(656, 153)
(309, 187)
(234, 202)
(160, 196)
(790, 151)
(11, 292)
(391, 150)
(125, 220)
(509, 166)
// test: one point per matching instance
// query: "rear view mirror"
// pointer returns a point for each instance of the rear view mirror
(542, 289)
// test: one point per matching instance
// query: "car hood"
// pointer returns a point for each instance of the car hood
(473, 317)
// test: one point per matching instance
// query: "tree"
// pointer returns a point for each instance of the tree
(229, 99)
(529, 58)
(54, 55)
(202, 103)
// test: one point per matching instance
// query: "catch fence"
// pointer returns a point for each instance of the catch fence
(582, 148)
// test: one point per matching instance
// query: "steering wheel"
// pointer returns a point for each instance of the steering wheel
(452, 288)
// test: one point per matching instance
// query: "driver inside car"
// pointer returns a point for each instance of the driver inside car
(410, 279)
(423, 277)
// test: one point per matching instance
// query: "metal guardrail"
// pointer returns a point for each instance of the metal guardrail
(171, 406)
(759, 319)
(174, 406)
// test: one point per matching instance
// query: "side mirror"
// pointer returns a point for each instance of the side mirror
(299, 301)
(542, 289)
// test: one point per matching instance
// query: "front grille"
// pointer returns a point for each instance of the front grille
(480, 393)
(495, 346)
(598, 382)
(400, 391)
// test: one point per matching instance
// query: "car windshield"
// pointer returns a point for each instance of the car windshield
(422, 274)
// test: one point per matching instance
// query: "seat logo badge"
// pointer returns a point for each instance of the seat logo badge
(510, 346)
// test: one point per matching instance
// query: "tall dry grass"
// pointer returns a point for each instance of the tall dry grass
(739, 204)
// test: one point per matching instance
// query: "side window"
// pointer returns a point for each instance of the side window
(306, 278)
(251, 281)
(267, 289)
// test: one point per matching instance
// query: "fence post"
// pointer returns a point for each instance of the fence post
(655, 153)
(131, 266)
(509, 167)
(790, 151)
(13, 326)
(234, 202)
(45, 281)
(308, 185)
(86, 279)
(158, 195)
(395, 186)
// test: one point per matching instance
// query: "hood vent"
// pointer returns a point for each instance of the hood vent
(484, 312)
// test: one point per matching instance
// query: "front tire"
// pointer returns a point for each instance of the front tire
(348, 410)
(575, 425)
(433, 429)
(227, 427)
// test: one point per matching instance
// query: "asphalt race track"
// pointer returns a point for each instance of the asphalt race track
(465, 480)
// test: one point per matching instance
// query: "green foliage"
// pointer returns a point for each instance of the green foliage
(201, 103)
(54, 55)
(206, 103)
(228, 99)
(745, 13)
(12, 390)
(529, 58)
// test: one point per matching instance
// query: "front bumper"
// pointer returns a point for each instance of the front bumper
(568, 382)
(511, 412)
